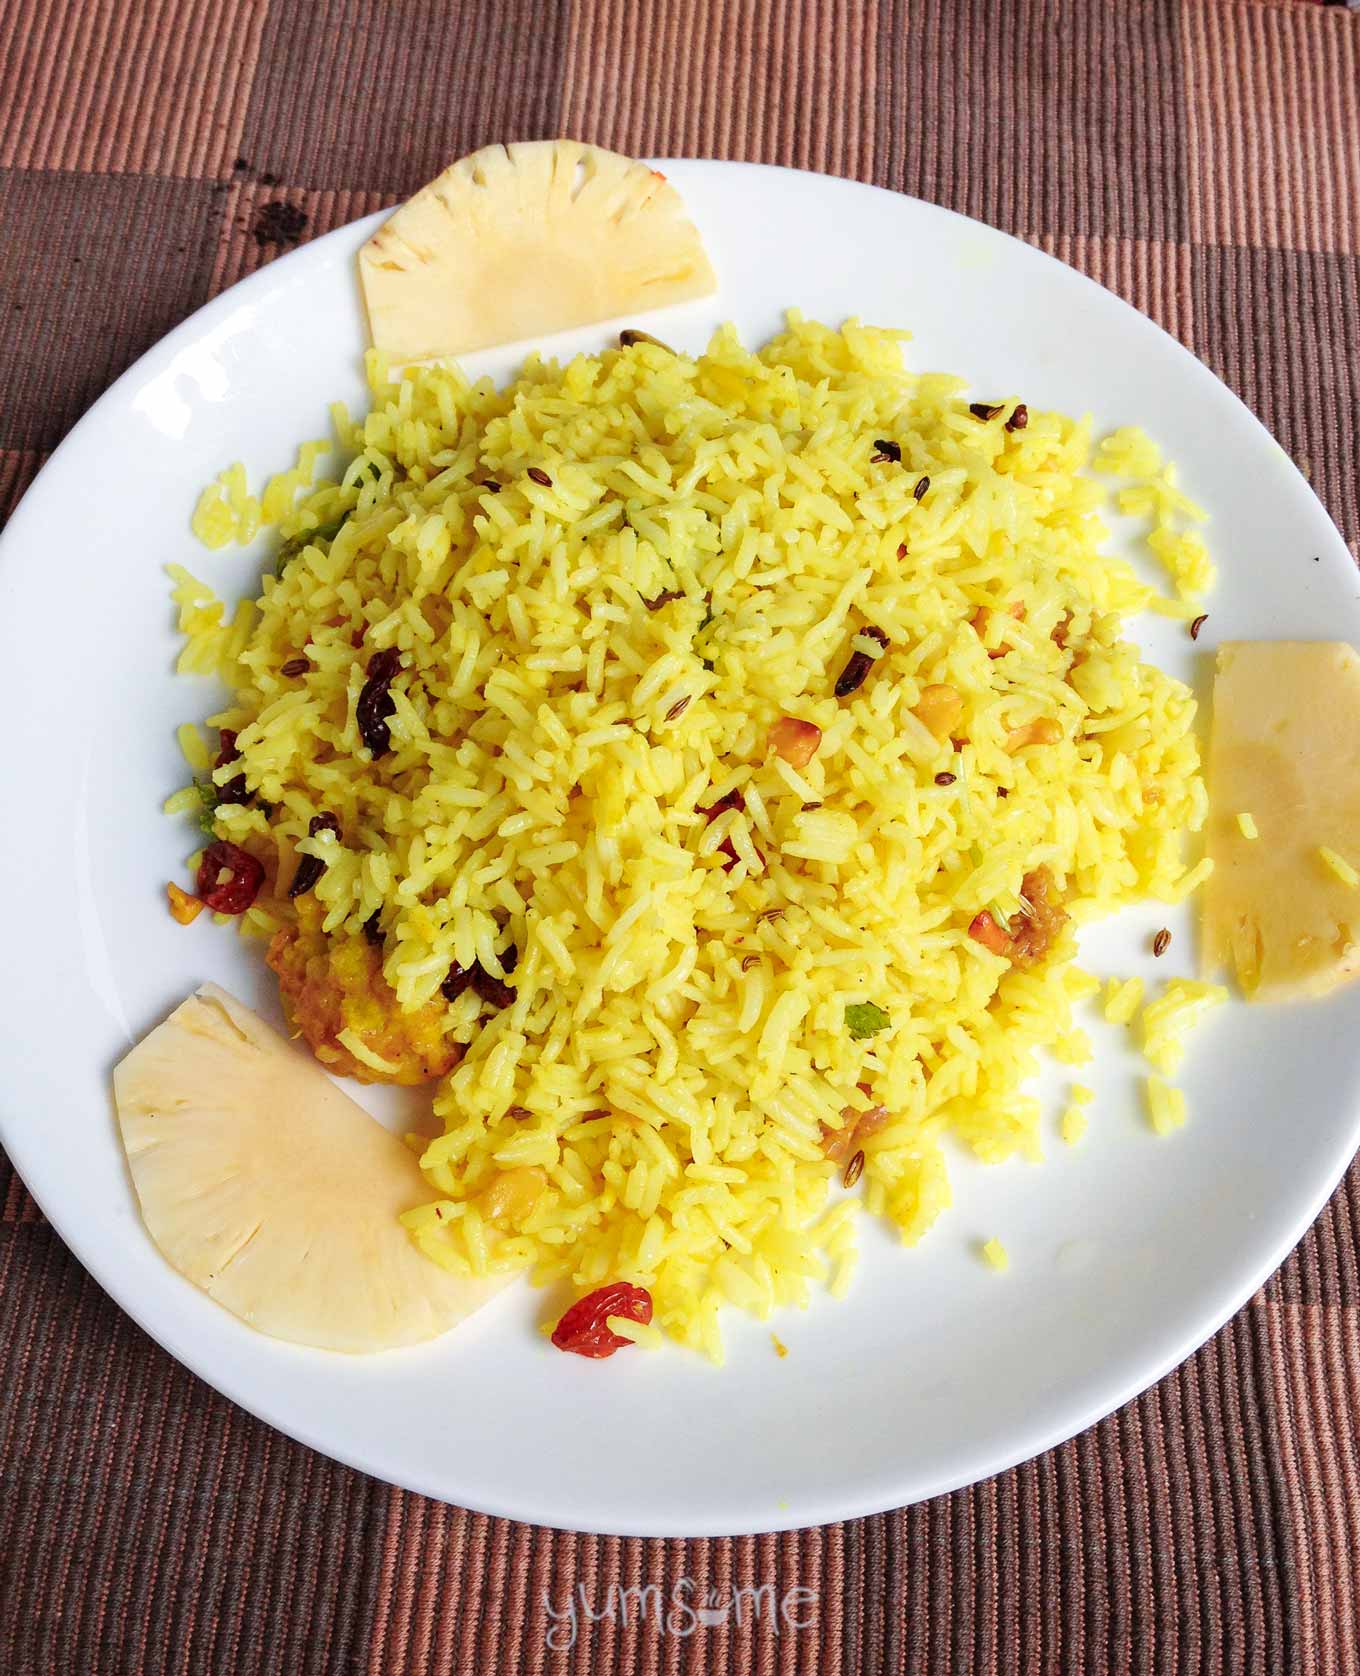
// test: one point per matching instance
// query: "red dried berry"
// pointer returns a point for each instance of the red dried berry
(311, 867)
(733, 800)
(583, 1329)
(309, 870)
(851, 678)
(235, 790)
(233, 895)
(492, 990)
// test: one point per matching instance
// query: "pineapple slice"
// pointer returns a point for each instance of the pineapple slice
(520, 240)
(1285, 751)
(264, 1184)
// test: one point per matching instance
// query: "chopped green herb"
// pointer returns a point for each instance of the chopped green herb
(207, 799)
(710, 617)
(305, 538)
(864, 1018)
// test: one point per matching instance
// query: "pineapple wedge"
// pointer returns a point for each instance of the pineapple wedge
(271, 1190)
(1285, 752)
(517, 241)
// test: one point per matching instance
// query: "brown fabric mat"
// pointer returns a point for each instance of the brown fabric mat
(1202, 157)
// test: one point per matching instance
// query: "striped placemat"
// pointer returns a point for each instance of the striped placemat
(1201, 157)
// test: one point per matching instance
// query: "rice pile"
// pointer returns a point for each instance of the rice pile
(607, 582)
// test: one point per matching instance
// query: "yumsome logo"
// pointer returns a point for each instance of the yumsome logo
(689, 1608)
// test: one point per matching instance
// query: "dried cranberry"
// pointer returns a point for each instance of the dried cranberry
(732, 800)
(584, 1329)
(323, 822)
(375, 702)
(226, 748)
(233, 895)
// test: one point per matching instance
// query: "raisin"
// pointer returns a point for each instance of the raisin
(459, 979)
(375, 701)
(493, 990)
(373, 934)
(235, 790)
(309, 870)
(311, 867)
(859, 664)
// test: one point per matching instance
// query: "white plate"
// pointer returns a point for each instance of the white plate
(1127, 1252)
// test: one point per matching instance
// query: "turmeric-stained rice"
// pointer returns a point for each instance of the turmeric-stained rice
(607, 583)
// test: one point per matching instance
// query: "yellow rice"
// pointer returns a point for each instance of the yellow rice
(678, 1046)
(1073, 1123)
(1165, 1105)
(1167, 1020)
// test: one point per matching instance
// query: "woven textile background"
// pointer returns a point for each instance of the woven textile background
(1202, 158)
